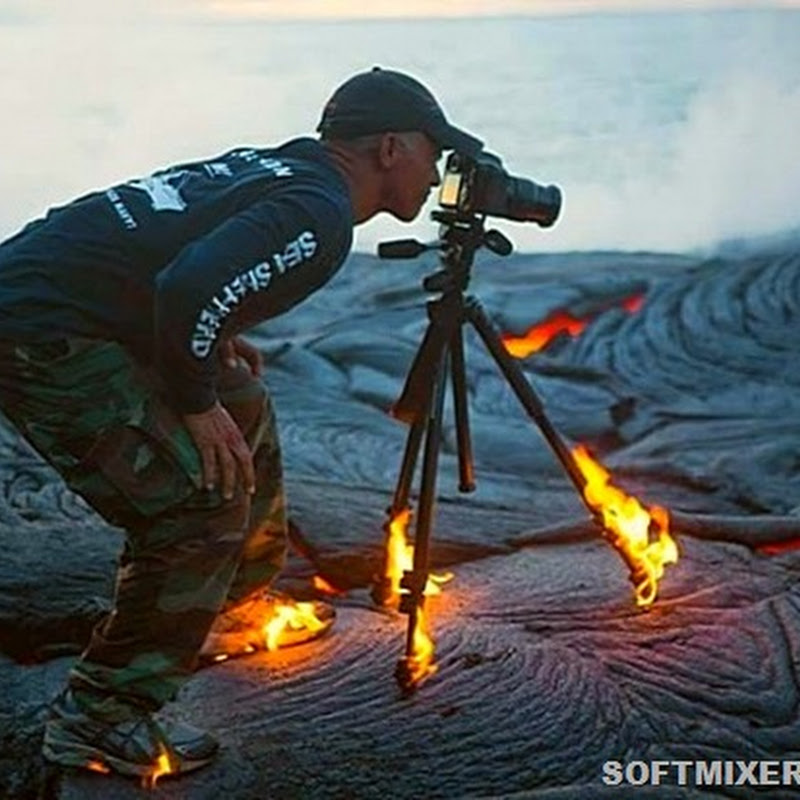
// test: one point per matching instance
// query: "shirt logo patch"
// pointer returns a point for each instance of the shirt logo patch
(163, 195)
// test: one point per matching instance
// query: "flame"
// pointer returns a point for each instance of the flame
(397, 551)
(163, 766)
(325, 587)
(641, 535)
(538, 336)
(400, 558)
(98, 766)
(420, 664)
(289, 616)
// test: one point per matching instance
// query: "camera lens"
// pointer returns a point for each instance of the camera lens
(530, 202)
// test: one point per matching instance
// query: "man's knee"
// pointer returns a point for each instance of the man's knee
(246, 399)
(204, 520)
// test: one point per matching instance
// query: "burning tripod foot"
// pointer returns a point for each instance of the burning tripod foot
(418, 663)
(405, 587)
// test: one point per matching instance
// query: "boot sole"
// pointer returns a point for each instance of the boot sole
(76, 755)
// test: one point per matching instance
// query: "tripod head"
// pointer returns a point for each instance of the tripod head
(460, 236)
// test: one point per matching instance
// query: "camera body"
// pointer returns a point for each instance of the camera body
(480, 185)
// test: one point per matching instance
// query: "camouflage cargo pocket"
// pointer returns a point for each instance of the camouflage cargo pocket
(150, 464)
(99, 418)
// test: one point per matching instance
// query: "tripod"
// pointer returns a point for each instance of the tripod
(421, 403)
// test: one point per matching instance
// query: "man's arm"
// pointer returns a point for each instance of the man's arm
(254, 265)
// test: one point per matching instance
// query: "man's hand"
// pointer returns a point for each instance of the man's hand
(223, 450)
(231, 350)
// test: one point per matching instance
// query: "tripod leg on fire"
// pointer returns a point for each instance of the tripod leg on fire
(418, 659)
(644, 570)
(412, 407)
(421, 404)
(386, 586)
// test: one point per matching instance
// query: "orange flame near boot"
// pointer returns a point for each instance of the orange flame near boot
(324, 586)
(287, 617)
(163, 766)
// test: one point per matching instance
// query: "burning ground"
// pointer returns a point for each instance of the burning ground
(546, 668)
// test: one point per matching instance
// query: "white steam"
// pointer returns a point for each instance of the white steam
(732, 170)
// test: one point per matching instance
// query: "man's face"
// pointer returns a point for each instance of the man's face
(412, 175)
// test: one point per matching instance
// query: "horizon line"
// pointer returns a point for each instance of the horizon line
(345, 10)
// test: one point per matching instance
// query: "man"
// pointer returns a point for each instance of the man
(120, 362)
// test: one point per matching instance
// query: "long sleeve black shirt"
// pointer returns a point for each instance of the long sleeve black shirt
(169, 264)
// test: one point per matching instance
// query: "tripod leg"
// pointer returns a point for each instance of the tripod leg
(466, 471)
(413, 667)
(408, 466)
(415, 399)
(383, 591)
(524, 391)
(427, 491)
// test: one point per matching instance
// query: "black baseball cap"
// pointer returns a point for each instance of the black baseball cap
(384, 100)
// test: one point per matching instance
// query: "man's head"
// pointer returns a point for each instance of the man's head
(383, 100)
(391, 132)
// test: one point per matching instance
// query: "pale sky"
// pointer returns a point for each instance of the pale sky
(96, 10)
(96, 91)
(469, 8)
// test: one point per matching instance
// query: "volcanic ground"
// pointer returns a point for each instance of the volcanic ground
(546, 668)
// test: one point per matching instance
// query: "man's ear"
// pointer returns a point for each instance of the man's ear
(388, 150)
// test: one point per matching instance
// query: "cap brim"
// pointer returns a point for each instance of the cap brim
(451, 138)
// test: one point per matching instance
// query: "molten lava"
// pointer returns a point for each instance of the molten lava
(538, 336)
(640, 535)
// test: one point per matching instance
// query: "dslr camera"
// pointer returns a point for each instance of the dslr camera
(480, 185)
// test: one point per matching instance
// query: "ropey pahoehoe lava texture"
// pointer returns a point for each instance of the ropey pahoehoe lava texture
(546, 667)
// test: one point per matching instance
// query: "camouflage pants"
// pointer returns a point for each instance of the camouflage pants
(99, 418)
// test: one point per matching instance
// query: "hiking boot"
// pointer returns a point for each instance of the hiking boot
(138, 746)
(266, 622)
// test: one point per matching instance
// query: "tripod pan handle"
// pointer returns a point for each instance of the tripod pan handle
(401, 248)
